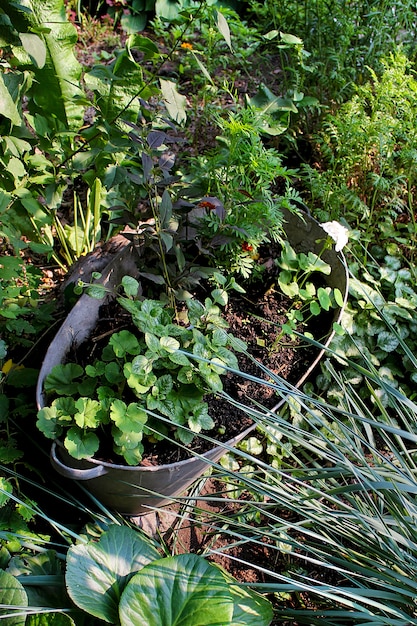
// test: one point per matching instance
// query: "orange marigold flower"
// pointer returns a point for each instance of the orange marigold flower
(246, 247)
(205, 204)
(186, 46)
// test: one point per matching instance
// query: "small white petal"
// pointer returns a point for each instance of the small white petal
(338, 233)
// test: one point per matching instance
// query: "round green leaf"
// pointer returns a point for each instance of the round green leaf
(124, 342)
(324, 298)
(80, 444)
(181, 590)
(315, 308)
(130, 285)
(169, 344)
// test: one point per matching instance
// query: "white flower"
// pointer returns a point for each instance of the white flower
(338, 233)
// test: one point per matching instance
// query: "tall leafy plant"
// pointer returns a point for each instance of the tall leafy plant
(366, 152)
(42, 40)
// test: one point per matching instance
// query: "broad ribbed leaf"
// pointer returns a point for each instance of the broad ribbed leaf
(250, 608)
(182, 590)
(11, 593)
(97, 572)
(57, 83)
(49, 619)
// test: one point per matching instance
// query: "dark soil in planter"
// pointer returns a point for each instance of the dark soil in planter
(255, 317)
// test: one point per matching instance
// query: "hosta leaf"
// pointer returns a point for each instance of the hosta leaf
(57, 69)
(49, 619)
(183, 589)
(98, 572)
(12, 593)
(250, 608)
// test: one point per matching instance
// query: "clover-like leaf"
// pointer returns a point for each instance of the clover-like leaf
(315, 308)
(324, 298)
(113, 373)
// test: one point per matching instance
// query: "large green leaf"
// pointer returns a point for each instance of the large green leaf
(12, 593)
(49, 619)
(98, 572)
(119, 88)
(250, 608)
(174, 101)
(8, 107)
(183, 590)
(49, 38)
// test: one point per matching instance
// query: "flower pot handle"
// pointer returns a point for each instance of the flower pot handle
(71, 472)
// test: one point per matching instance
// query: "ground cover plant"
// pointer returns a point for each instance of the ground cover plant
(328, 471)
